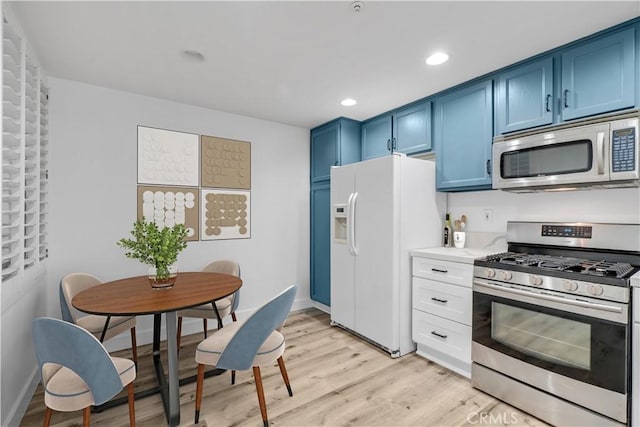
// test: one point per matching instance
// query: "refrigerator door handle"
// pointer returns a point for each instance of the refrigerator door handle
(349, 224)
(352, 224)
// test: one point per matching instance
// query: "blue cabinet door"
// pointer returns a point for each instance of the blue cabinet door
(524, 96)
(463, 136)
(598, 76)
(324, 151)
(376, 137)
(320, 243)
(334, 144)
(412, 128)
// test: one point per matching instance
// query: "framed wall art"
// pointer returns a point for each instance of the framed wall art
(226, 214)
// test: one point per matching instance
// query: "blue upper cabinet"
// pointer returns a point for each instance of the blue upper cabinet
(524, 96)
(334, 144)
(599, 76)
(406, 130)
(412, 128)
(376, 137)
(463, 131)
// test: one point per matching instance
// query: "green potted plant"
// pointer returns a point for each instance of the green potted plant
(156, 247)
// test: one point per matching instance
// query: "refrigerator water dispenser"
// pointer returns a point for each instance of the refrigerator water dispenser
(340, 223)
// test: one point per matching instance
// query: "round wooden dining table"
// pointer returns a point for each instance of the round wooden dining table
(134, 296)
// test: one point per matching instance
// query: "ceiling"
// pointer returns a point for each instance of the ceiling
(293, 62)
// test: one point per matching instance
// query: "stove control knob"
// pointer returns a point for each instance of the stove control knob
(489, 272)
(569, 285)
(535, 280)
(595, 290)
(506, 275)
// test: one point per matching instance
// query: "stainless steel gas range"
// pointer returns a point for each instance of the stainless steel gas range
(551, 321)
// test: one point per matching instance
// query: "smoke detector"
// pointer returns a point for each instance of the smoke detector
(357, 6)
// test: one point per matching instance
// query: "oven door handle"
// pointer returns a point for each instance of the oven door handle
(479, 283)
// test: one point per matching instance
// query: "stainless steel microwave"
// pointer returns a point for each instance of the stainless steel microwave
(599, 152)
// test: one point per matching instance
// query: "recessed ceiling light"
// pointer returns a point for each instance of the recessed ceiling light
(348, 102)
(192, 55)
(437, 58)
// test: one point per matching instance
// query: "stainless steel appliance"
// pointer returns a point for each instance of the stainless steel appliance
(551, 321)
(601, 151)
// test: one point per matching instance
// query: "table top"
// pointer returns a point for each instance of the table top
(134, 295)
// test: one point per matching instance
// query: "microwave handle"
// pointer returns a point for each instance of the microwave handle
(600, 152)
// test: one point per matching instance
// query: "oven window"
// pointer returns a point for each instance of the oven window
(554, 159)
(546, 337)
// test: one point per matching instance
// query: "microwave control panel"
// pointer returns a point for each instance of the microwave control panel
(623, 149)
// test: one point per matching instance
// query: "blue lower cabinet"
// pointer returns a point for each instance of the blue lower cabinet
(463, 133)
(320, 243)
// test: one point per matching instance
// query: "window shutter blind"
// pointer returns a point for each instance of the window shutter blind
(44, 170)
(25, 148)
(31, 164)
(11, 151)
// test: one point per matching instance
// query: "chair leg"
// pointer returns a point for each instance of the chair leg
(199, 386)
(179, 332)
(86, 416)
(132, 407)
(233, 316)
(204, 325)
(285, 377)
(260, 390)
(233, 377)
(134, 345)
(47, 417)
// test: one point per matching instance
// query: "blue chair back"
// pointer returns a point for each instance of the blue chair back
(68, 345)
(243, 347)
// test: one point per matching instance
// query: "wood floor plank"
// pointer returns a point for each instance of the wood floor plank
(337, 380)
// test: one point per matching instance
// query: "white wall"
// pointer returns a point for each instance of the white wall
(93, 192)
(92, 195)
(612, 205)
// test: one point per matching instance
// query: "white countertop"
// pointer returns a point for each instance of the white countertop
(480, 245)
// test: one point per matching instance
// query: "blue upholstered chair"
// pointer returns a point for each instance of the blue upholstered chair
(226, 306)
(249, 344)
(77, 372)
(74, 283)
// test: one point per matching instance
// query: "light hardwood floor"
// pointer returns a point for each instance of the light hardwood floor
(337, 380)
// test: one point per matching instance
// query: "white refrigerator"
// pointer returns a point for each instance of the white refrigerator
(381, 209)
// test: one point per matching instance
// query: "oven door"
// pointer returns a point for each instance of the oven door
(571, 157)
(575, 349)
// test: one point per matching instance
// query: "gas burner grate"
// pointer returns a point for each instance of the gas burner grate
(605, 268)
(560, 263)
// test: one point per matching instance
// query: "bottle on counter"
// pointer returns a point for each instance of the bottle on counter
(448, 233)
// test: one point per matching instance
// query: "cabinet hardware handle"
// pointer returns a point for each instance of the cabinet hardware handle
(489, 167)
(565, 98)
(437, 270)
(389, 144)
(439, 335)
(546, 103)
(444, 301)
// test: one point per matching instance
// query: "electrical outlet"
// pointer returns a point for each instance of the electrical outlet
(487, 215)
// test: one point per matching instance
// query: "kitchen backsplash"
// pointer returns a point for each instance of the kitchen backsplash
(620, 205)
